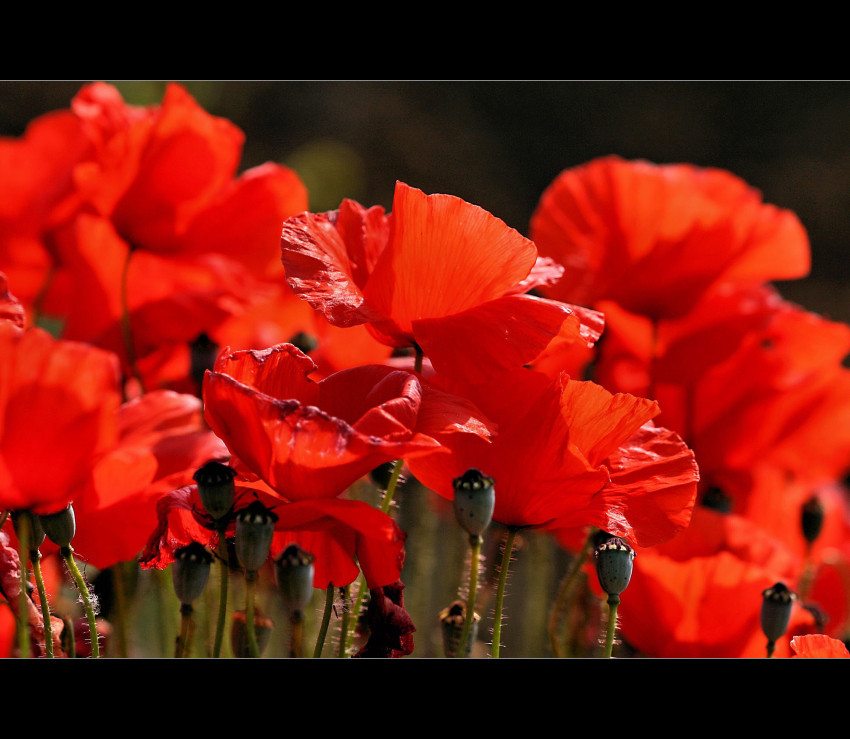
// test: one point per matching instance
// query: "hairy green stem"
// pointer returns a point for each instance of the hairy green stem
(613, 603)
(500, 592)
(326, 619)
(564, 590)
(475, 558)
(23, 533)
(182, 647)
(68, 555)
(35, 557)
(250, 627)
(221, 550)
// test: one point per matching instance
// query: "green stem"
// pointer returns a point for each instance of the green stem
(500, 592)
(343, 629)
(221, 550)
(35, 557)
(68, 555)
(250, 628)
(296, 642)
(613, 603)
(326, 619)
(182, 648)
(475, 557)
(392, 485)
(119, 572)
(564, 590)
(69, 639)
(23, 533)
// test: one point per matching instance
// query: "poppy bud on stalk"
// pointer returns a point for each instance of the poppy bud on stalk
(474, 501)
(203, 352)
(776, 606)
(812, 518)
(35, 534)
(294, 572)
(239, 641)
(190, 571)
(60, 527)
(216, 488)
(452, 620)
(254, 532)
(614, 564)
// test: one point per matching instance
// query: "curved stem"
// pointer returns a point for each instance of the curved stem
(23, 610)
(500, 592)
(68, 555)
(35, 557)
(296, 642)
(221, 550)
(475, 557)
(391, 486)
(182, 647)
(613, 603)
(326, 619)
(250, 628)
(564, 589)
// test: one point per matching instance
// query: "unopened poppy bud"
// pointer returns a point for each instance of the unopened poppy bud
(474, 501)
(614, 564)
(294, 572)
(776, 605)
(451, 620)
(35, 532)
(60, 527)
(216, 488)
(812, 518)
(190, 571)
(239, 643)
(254, 532)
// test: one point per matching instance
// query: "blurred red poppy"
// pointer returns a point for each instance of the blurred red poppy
(569, 454)
(311, 439)
(439, 274)
(654, 238)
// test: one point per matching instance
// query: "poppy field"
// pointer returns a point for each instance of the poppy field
(235, 426)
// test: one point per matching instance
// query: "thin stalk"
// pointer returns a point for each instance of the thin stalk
(69, 639)
(391, 486)
(182, 647)
(613, 603)
(250, 628)
(564, 589)
(119, 572)
(296, 640)
(343, 629)
(35, 557)
(475, 558)
(68, 555)
(500, 591)
(23, 611)
(221, 550)
(326, 619)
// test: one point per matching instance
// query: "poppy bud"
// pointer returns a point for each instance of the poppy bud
(60, 527)
(614, 564)
(294, 572)
(776, 611)
(812, 518)
(263, 627)
(452, 619)
(190, 571)
(36, 534)
(474, 501)
(254, 531)
(303, 341)
(216, 488)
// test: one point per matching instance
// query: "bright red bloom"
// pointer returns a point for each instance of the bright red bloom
(569, 454)
(342, 535)
(655, 238)
(818, 646)
(437, 273)
(150, 199)
(58, 400)
(311, 439)
(700, 594)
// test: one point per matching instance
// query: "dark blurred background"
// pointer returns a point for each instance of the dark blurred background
(499, 144)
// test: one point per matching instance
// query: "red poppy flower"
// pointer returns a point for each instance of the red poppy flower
(157, 240)
(311, 439)
(342, 535)
(818, 646)
(58, 400)
(655, 238)
(437, 273)
(569, 454)
(700, 594)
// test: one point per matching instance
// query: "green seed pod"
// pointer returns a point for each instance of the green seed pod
(190, 571)
(216, 488)
(614, 564)
(35, 531)
(60, 527)
(474, 501)
(776, 606)
(254, 531)
(294, 573)
(451, 620)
